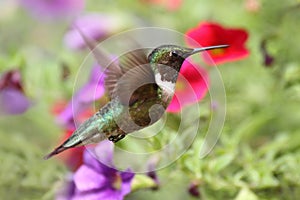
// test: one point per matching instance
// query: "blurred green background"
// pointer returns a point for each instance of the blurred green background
(258, 153)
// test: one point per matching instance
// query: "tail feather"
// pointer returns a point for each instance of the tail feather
(60, 149)
(56, 151)
(79, 137)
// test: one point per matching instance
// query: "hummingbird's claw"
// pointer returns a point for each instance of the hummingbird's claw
(116, 138)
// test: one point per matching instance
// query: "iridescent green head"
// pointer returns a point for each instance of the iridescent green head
(173, 55)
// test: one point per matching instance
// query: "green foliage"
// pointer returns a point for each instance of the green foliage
(24, 174)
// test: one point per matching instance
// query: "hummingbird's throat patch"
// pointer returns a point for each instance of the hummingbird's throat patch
(167, 86)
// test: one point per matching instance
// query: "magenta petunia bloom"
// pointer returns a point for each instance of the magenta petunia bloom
(12, 98)
(191, 86)
(95, 26)
(89, 93)
(210, 34)
(53, 8)
(95, 180)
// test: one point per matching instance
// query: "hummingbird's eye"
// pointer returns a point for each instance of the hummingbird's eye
(174, 54)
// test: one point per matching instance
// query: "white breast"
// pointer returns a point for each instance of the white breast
(167, 86)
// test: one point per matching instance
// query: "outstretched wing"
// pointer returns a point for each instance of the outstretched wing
(133, 73)
(126, 74)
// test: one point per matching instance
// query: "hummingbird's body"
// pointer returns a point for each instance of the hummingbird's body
(140, 88)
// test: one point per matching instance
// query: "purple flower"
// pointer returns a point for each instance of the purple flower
(95, 180)
(53, 8)
(91, 91)
(95, 26)
(66, 193)
(12, 98)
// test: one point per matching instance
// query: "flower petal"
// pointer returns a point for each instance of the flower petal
(86, 179)
(127, 178)
(67, 191)
(13, 102)
(104, 152)
(92, 161)
(126, 182)
(94, 180)
(209, 34)
(108, 194)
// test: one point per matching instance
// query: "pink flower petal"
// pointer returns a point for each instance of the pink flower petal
(87, 179)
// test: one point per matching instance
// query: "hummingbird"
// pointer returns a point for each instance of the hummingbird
(140, 88)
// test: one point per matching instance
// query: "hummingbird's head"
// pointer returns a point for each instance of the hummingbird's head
(173, 56)
(169, 55)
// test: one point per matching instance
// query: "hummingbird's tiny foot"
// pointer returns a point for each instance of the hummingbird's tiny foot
(116, 138)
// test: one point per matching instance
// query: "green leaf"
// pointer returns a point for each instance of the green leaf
(141, 182)
(221, 162)
(246, 194)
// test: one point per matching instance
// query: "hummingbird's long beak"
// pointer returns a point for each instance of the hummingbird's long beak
(197, 50)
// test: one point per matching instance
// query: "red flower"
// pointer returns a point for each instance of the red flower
(209, 34)
(191, 86)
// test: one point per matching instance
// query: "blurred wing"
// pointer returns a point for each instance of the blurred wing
(112, 74)
(103, 59)
(125, 74)
(137, 84)
(132, 72)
